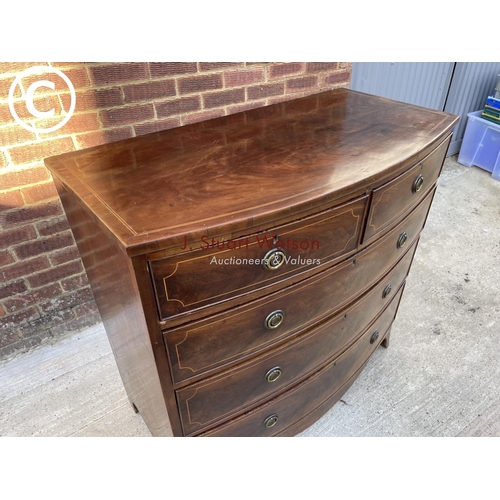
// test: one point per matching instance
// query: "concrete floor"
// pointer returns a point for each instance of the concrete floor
(439, 377)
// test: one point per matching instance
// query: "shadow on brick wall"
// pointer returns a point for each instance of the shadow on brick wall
(45, 292)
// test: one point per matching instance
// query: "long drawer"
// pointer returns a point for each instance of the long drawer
(218, 270)
(203, 346)
(275, 416)
(233, 391)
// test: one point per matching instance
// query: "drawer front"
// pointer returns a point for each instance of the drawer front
(209, 274)
(298, 402)
(208, 344)
(392, 200)
(236, 390)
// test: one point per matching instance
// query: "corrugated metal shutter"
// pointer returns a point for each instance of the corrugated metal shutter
(458, 88)
(472, 83)
(424, 84)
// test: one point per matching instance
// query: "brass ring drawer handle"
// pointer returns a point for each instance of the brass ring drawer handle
(374, 337)
(403, 237)
(273, 374)
(418, 183)
(274, 319)
(270, 421)
(387, 291)
(274, 259)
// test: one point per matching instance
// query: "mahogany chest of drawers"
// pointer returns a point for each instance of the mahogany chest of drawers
(247, 267)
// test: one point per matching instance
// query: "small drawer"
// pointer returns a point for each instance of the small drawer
(233, 391)
(216, 271)
(392, 200)
(201, 347)
(330, 382)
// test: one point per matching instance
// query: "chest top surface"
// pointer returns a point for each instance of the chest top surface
(237, 171)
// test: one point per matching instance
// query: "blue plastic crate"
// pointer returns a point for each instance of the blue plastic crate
(481, 145)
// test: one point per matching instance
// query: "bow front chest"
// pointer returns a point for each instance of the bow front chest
(247, 267)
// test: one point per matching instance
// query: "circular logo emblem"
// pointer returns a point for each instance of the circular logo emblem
(29, 97)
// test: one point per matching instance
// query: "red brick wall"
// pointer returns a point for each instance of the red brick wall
(44, 291)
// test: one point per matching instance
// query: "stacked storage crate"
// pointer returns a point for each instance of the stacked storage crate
(481, 143)
(491, 110)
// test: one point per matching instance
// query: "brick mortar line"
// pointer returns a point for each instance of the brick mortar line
(271, 80)
(14, 256)
(36, 141)
(37, 231)
(69, 135)
(149, 80)
(19, 168)
(103, 129)
(31, 143)
(85, 67)
(176, 77)
(27, 207)
(9, 74)
(62, 106)
(20, 225)
(9, 171)
(74, 137)
(76, 113)
(48, 93)
(176, 86)
(23, 166)
(7, 157)
(303, 75)
(99, 121)
(51, 267)
(122, 93)
(26, 276)
(42, 238)
(40, 141)
(30, 290)
(61, 295)
(244, 85)
(28, 204)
